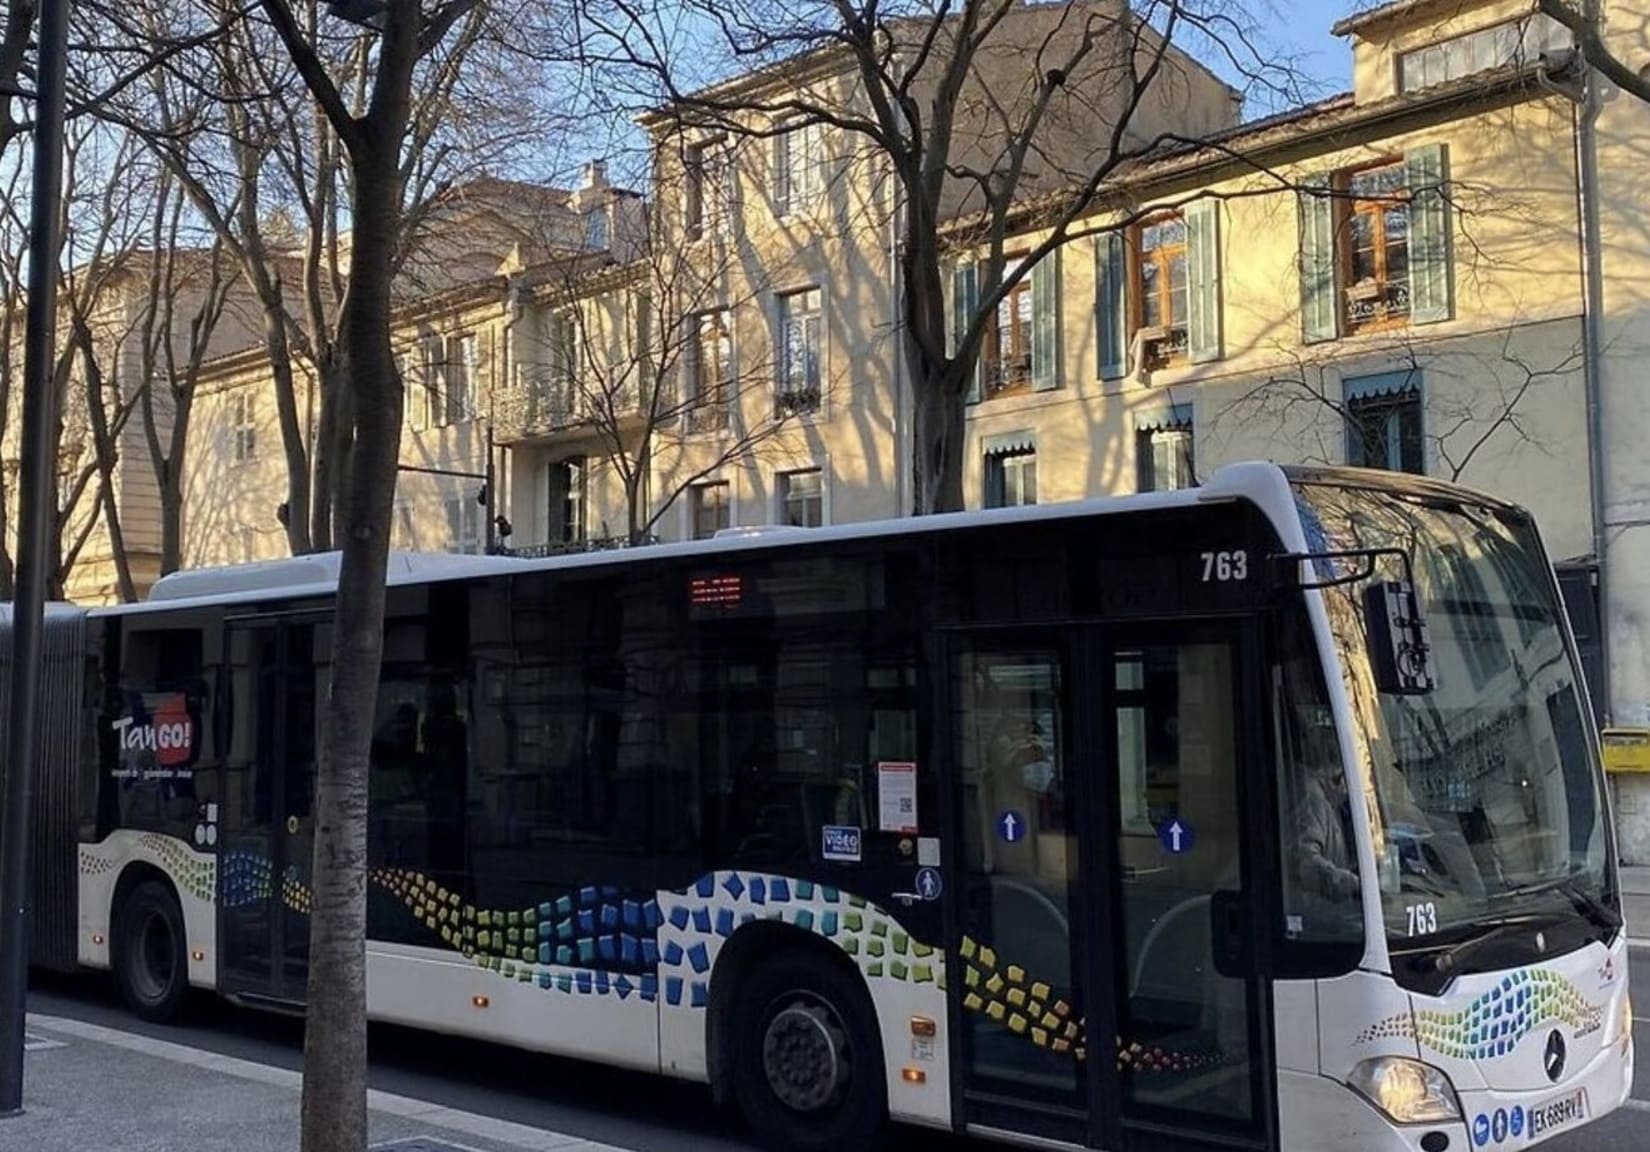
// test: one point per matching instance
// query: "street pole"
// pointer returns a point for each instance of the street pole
(36, 510)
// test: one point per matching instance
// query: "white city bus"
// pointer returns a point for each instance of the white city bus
(1262, 815)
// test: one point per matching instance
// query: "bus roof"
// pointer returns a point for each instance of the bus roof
(1264, 484)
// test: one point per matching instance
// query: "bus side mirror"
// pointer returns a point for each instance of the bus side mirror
(1400, 647)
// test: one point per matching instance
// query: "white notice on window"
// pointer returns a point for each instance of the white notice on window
(897, 796)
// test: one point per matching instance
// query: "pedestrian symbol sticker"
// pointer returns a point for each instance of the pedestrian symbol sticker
(928, 883)
(1011, 826)
(1176, 836)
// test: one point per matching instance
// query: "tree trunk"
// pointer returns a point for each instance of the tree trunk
(279, 347)
(333, 434)
(335, 1038)
(938, 435)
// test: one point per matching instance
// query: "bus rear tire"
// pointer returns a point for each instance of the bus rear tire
(151, 958)
(807, 1056)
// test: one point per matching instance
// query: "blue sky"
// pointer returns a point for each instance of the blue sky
(1302, 29)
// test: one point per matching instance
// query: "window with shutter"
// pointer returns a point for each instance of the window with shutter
(965, 301)
(1320, 304)
(1110, 304)
(433, 370)
(1375, 251)
(461, 363)
(1045, 322)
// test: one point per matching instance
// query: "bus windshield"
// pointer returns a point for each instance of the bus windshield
(1484, 797)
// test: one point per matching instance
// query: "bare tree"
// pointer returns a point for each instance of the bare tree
(1307, 399)
(374, 143)
(970, 110)
(264, 166)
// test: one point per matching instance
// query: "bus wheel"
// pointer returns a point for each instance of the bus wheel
(150, 954)
(807, 1056)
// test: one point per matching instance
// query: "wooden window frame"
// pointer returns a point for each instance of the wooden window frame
(1347, 206)
(996, 384)
(1135, 256)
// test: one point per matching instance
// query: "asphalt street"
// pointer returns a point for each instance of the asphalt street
(619, 1109)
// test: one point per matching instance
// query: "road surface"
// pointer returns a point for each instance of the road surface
(620, 1109)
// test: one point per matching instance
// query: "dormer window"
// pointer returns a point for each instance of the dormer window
(1501, 46)
(595, 230)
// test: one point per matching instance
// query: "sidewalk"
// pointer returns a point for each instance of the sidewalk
(1635, 901)
(90, 1089)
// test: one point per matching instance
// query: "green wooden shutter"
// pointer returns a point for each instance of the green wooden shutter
(1110, 299)
(1203, 281)
(1320, 305)
(1429, 247)
(965, 301)
(1045, 323)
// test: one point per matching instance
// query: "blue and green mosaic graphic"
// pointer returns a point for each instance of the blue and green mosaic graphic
(248, 878)
(709, 911)
(1493, 1024)
(594, 926)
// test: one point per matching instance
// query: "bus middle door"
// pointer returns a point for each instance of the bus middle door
(276, 667)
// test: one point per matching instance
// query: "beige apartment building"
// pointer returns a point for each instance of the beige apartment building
(458, 291)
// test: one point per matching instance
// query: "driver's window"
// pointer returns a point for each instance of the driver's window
(1322, 892)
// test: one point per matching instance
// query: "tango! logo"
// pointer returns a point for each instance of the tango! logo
(164, 728)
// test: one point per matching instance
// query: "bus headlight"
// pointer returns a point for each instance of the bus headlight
(1626, 1022)
(1408, 1091)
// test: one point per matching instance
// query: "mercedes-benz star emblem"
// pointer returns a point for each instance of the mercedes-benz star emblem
(1553, 1059)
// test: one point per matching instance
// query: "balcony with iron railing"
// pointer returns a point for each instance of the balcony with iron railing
(548, 406)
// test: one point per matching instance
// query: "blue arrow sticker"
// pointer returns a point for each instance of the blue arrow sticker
(1176, 836)
(1011, 826)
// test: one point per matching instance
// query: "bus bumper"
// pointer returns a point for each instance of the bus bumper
(1503, 1120)
(1316, 1112)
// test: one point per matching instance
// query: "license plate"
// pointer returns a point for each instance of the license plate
(1560, 1113)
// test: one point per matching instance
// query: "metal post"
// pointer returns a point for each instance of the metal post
(36, 511)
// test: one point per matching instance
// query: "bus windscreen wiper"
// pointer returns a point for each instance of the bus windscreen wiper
(1584, 901)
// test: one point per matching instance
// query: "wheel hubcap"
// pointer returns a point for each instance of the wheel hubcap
(155, 958)
(805, 1055)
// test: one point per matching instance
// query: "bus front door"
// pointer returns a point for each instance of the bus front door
(267, 830)
(1107, 993)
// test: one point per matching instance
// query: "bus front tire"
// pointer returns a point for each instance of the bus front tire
(151, 953)
(808, 1071)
